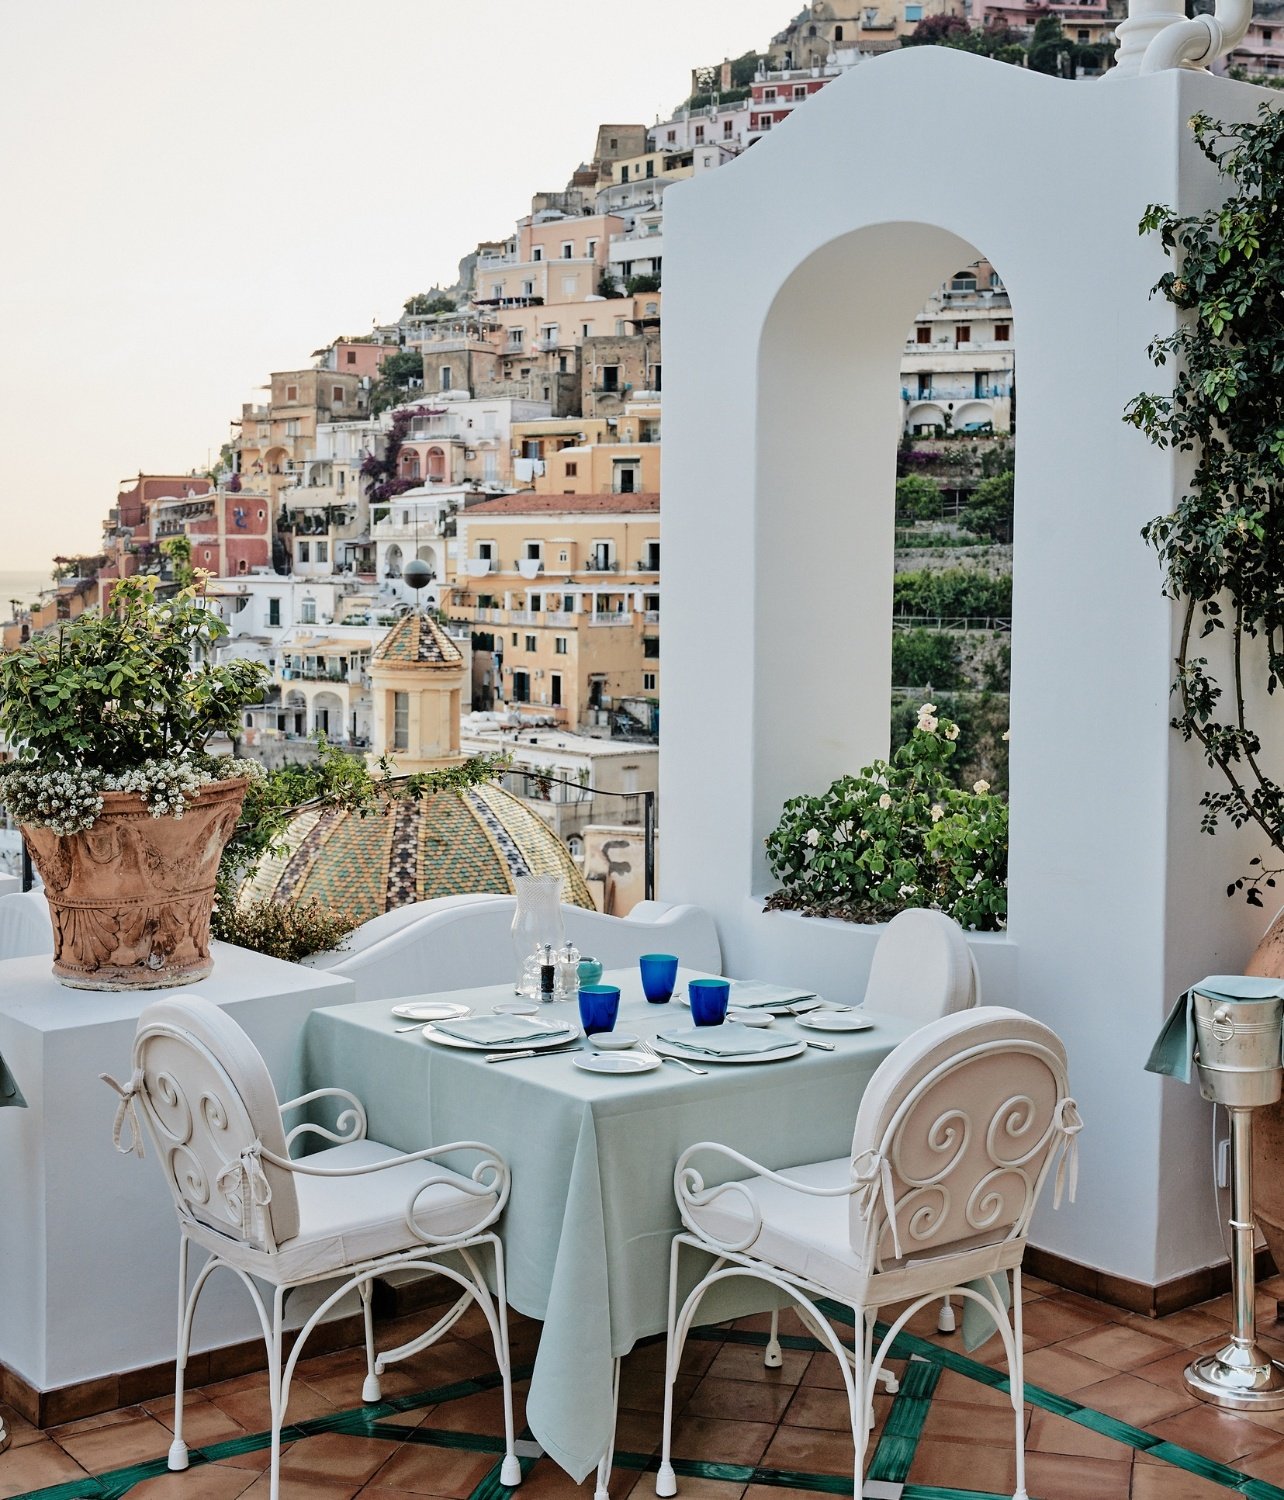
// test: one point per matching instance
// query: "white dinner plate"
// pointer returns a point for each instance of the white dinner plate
(835, 1020)
(613, 1041)
(436, 1010)
(431, 1034)
(777, 1054)
(615, 1062)
(757, 1018)
(514, 1008)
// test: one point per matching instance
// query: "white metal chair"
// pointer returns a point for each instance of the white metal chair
(955, 1135)
(347, 1213)
(923, 968)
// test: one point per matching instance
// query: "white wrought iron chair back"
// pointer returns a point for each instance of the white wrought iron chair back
(210, 1108)
(955, 1135)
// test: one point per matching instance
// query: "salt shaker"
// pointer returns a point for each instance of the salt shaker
(568, 975)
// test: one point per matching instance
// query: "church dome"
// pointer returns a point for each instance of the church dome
(449, 844)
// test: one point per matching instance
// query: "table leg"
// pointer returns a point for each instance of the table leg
(608, 1458)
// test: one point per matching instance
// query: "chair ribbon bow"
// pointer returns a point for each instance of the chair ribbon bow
(872, 1172)
(1069, 1122)
(245, 1185)
(126, 1113)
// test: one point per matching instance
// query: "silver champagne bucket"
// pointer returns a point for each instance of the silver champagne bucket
(1238, 1049)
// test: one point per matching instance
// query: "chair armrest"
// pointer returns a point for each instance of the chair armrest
(490, 1177)
(691, 1192)
(350, 1125)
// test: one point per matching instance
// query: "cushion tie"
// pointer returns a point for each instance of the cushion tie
(1068, 1121)
(126, 1113)
(245, 1186)
(873, 1172)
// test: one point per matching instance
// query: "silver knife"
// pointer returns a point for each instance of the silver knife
(529, 1052)
(822, 1046)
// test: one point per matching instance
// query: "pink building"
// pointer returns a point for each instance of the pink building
(233, 537)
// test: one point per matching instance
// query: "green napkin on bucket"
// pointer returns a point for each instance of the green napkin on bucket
(10, 1093)
(1174, 1047)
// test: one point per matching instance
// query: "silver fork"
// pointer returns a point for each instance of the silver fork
(651, 1052)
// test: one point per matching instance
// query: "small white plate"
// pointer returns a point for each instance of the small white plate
(539, 1044)
(438, 1010)
(513, 1008)
(615, 1062)
(835, 1020)
(612, 1040)
(749, 1017)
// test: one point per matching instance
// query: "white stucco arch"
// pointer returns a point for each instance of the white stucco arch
(778, 520)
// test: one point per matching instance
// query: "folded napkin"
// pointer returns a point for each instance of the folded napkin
(494, 1031)
(727, 1040)
(10, 1093)
(978, 1326)
(1174, 1047)
(751, 994)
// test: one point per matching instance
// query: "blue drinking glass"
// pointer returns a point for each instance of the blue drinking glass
(599, 1006)
(708, 999)
(659, 975)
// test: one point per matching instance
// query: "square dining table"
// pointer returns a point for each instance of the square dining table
(591, 1215)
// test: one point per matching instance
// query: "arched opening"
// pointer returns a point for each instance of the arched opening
(408, 463)
(833, 407)
(393, 562)
(436, 464)
(328, 716)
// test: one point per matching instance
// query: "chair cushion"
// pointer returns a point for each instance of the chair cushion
(806, 1236)
(347, 1220)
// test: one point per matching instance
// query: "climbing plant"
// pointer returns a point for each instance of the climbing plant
(1222, 547)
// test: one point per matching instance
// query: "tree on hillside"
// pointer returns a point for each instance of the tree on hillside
(1049, 51)
(398, 373)
(988, 511)
(938, 31)
(428, 302)
(918, 498)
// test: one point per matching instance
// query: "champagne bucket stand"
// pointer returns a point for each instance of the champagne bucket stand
(1239, 1066)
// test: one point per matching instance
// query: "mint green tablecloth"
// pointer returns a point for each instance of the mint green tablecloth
(592, 1215)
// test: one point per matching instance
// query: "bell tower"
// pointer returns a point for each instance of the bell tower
(416, 678)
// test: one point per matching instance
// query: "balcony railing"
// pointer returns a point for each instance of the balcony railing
(611, 617)
(601, 565)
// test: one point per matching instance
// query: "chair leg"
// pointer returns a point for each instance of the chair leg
(178, 1448)
(946, 1322)
(666, 1483)
(862, 1407)
(276, 1389)
(510, 1471)
(772, 1357)
(602, 1492)
(1016, 1381)
(371, 1390)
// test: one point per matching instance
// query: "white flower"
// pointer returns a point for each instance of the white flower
(980, 787)
(884, 802)
(1007, 734)
(927, 723)
(907, 890)
(813, 837)
(927, 708)
(938, 812)
(952, 731)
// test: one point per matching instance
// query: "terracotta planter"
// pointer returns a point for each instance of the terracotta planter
(1268, 1122)
(131, 897)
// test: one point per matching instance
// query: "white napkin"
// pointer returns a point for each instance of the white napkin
(727, 1040)
(493, 1031)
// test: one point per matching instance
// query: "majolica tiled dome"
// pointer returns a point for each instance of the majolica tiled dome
(446, 845)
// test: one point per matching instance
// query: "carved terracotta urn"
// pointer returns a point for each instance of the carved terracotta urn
(131, 897)
(1268, 1122)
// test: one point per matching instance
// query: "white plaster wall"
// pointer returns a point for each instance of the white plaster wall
(778, 489)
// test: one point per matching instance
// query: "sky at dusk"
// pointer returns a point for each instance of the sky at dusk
(195, 195)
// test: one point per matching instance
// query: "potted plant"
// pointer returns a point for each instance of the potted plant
(1222, 546)
(125, 814)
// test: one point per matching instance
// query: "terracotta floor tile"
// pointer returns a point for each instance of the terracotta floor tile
(969, 1424)
(35, 1465)
(1190, 1326)
(249, 1406)
(337, 1457)
(958, 1388)
(1050, 1322)
(19, 1429)
(1051, 1434)
(1155, 1482)
(203, 1482)
(1267, 1464)
(744, 1362)
(812, 1451)
(1100, 1312)
(741, 1400)
(301, 1489)
(422, 1470)
(972, 1466)
(1118, 1346)
(718, 1441)
(1222, 1435)
(820, 1406)
(1168, 1371)
(92, 1424)
(1132, 1400)
(1063, 1478)
(688, 1488)
(645, 1392)
(203, 1422)
(115, 1447)
(1058, 1369)
(483, 1413)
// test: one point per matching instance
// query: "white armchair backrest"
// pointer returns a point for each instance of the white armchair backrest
(209, 1104)
(955, 1135)
(922, 968)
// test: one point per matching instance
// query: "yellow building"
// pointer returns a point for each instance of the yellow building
(562, 593)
